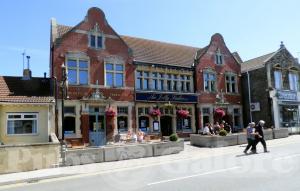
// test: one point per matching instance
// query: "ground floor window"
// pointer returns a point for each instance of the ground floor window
(144, 123)
(237, 118)
(22, 123)
(289, 115)
(205, 115)
(69, 125)
(122, 123)
(184, 124)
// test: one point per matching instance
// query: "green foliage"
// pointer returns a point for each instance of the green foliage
(174, 137)
(223, 132)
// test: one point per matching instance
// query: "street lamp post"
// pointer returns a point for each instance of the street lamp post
(63, 96)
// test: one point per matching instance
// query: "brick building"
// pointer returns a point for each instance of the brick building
(100, 76)
(273, 80)
(164, 81)
(134, 76)
(218, 83)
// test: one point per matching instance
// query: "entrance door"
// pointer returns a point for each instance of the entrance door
(97, 129)
(166, 125)
(69, 125)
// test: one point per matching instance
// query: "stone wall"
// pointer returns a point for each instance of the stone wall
(27, 157)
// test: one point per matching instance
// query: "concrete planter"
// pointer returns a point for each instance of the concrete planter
(167, 148)
(214, 141)
(84, 156)
(268, 134)
(280, 133)
(242, 138)
(115, 153)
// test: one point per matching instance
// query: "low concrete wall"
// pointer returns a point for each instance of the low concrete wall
(122, 152)
(115, 153)
(242, 138)
(280, 133)
(27, 157)
(214, 141)
(167, 148)
(268, 134)
(84, 156)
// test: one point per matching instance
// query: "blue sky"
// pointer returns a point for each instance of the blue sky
(251, 27)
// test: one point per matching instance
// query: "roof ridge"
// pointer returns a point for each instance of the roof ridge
(157, 41)
(259, 57)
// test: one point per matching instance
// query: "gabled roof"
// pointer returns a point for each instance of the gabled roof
(255, 63)
(16, 90)
(156, 52)
(151, 51)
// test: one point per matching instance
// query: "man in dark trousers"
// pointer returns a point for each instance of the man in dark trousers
(260, 136)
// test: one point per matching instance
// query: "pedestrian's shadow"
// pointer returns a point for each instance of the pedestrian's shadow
(245, 155)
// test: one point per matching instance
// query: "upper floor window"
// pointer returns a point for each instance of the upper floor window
(142, 80)
(231, 83)
(219, 59)
(96, 37)
(114, 75)
(209, 82)
(278, 79)
(77, 71)
(293, 81)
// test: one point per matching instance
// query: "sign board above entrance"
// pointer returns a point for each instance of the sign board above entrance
(287, 95)
(165, 97)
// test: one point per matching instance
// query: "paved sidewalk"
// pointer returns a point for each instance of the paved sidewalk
(189, 153)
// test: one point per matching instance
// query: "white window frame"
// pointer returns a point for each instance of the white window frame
(114, 72)
(97, 33)
(231, 82)
(209, 81)
(278, 84)
(22, 118)
(78, 69)
(123, 114)
(294, 81)
(219, 58)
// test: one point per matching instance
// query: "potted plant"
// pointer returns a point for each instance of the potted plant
(181, 113)
(155, 112)
(110, 112)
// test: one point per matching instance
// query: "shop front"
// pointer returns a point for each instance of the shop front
(286, 110)
(160, 113)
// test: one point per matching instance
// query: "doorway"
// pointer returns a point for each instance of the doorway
(166, 125)
(69, 125)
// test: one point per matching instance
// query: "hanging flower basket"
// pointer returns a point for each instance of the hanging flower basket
(110, 112)
(182, 113)
(219, 113)
(155, 113)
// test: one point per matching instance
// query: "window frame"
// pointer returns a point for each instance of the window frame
(281, 80)
(231, 83)
(219, 58)
(78, 69)
(114, 73)
(209, 81)
(295, 77)
(21, 119)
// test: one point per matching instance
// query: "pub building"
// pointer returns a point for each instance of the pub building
(218, 83)
(164, 82)
(99, 80)
(273, 83)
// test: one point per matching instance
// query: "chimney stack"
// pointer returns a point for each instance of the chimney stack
(27, 71)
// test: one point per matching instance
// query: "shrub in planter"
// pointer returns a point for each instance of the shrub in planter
(223, 132)
(174, 137)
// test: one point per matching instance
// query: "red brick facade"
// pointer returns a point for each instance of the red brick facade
(206, 61)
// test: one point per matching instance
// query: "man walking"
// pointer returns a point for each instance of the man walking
(250, 136)
(260, 136)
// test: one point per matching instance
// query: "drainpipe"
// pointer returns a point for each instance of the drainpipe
(249, 95)
(195, 90)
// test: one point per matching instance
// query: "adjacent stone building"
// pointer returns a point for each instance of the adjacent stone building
(273, 83)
